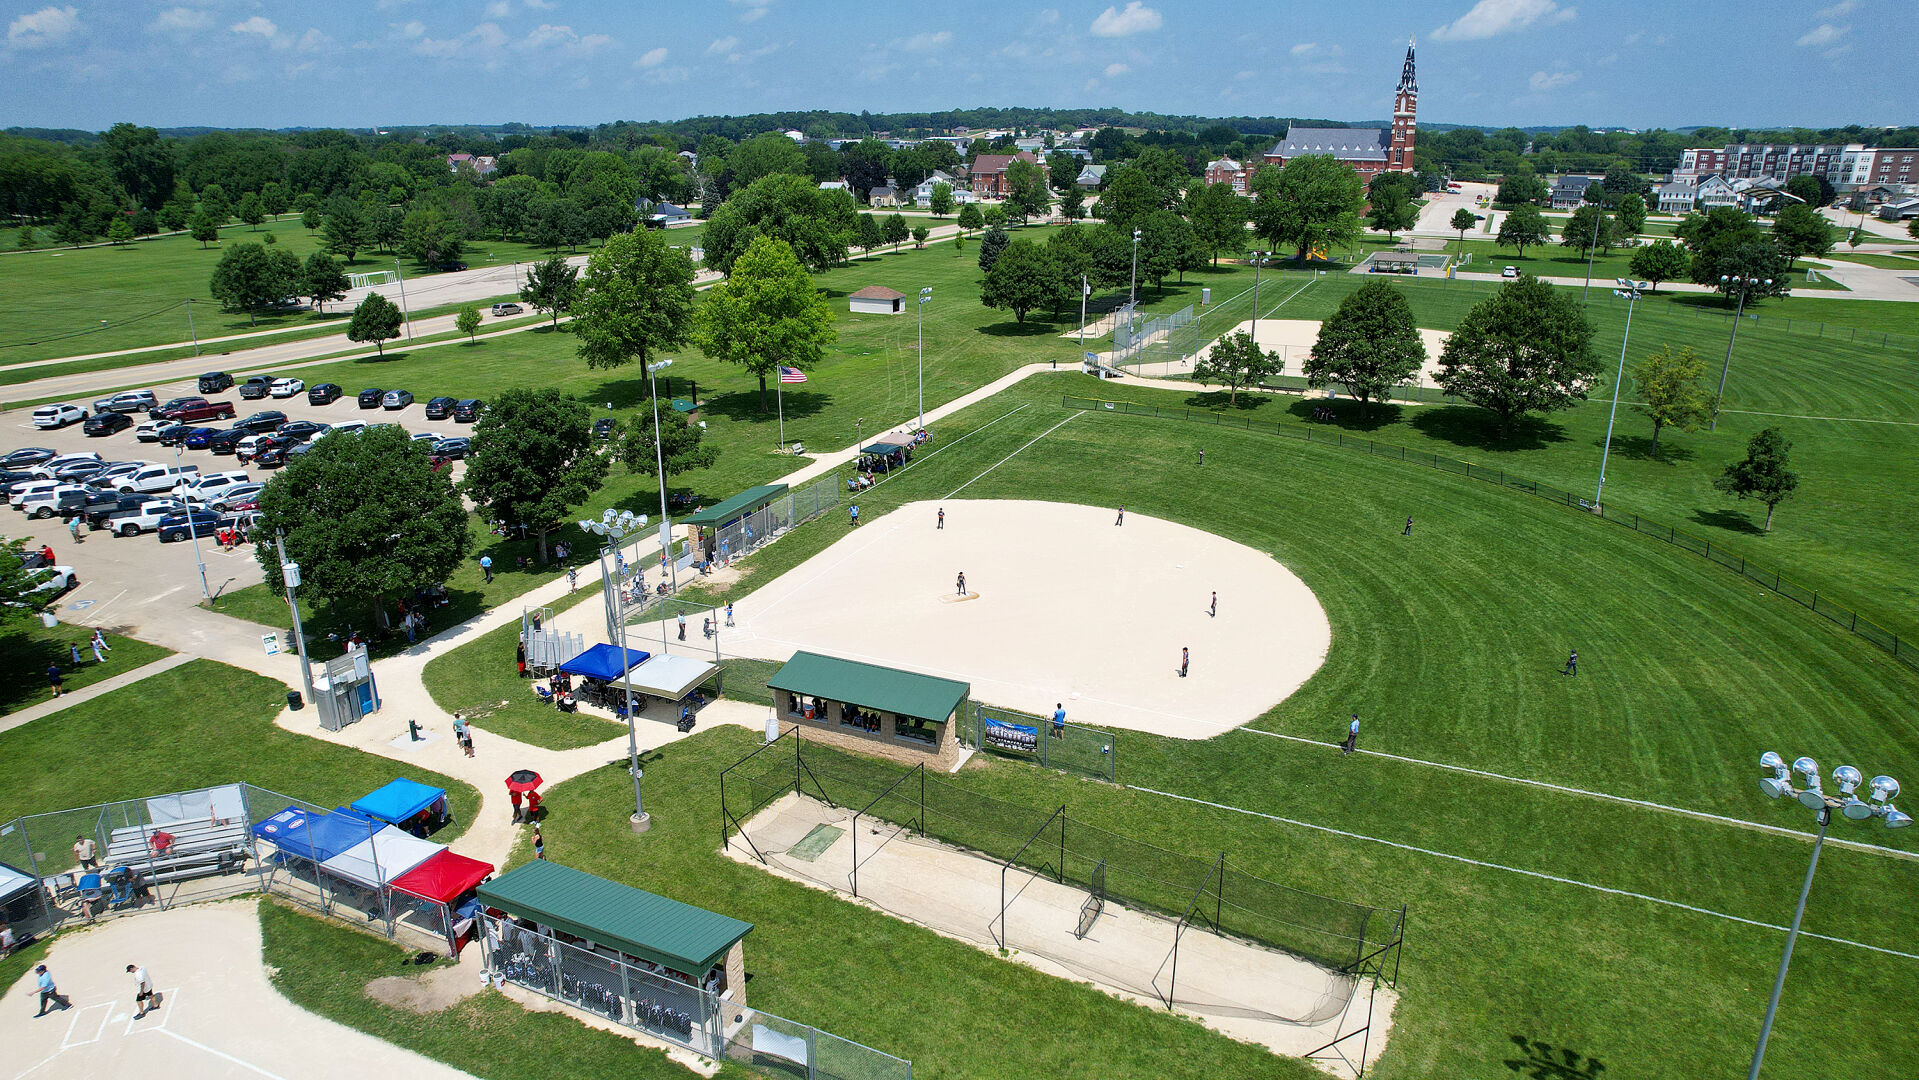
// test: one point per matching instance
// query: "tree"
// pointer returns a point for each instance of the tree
(310, 218)
(817, 225)
(27, 240)
(376, 319)
(1816, 191)
(1669, 391)
(468, 321)
(1588, 228)
(940, 200)
(1164, 239)
(991, 246)
(533, 459)
(868, 235)
(17, 583)
(1218, 216)
(1764, 474)
(1238, 362)
(766, 314)
(1525, 225)
(273, 198)
(1072, 204)
(366, 517)
(344, 232)
(1462, 220)
(1023, 278)
(994, 216)
(1752, 263)
(1027, 195)
(681, 447)
(1129, 195)
(1521, 187)
(1527, 348)
(1311, 204)
(1912, 230)
(120, 232)
(323, 279)
(636, 299)
(920, 233)
(1370, 344)
(1391, 214)
(250, 278)
(252, 211)
(551, 286)
(385, 226)
(1661, 260)
(1622, 180)
(970, 218)
(430, 238)
(202, 227)
(142, 163)
(895, 230)
(213, 199)
(1800, 230)
(1630, 214)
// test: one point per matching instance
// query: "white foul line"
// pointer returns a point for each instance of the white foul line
(1010, 457)
(237, 1061)
(1524, 873)
(1703, 815)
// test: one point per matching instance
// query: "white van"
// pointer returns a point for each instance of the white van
(157, 479)
(46, 503)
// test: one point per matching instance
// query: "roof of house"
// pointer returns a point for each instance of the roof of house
(1575, 183)
(1098, 171)
(634, 921)
(993, 163)
(876, 292)
(745, 502)
(1225, 163)
(903, 693)
(1346, 144)
(883, 189)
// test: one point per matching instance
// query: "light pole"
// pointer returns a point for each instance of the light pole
(1629, 291)
(614, 529)
(1742, 283)
(1132, 288)
(1259, 262)
(193, 530)
(1592, 249)
(1882, 791)
(1085, 290)
(401, 278)
(659, 462)
(925, 295)
(290, 575)
(190, 331)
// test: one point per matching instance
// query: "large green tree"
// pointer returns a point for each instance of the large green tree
(682, 447)
(1462, 220)
(1522, 226)
(1023, 278)
(895, 230)
(533, 459)
(1392, 214)
(366, 517)
(1310, 204)
(375, 319)
(1525, 349)
(817, 225)
(1800, 230)
(971, 218)
(1238, 362)
(252, 211)
(766, 315)
(1521, 187)
(202, 227)
(551, 286)
(940, 200)
(1589, 227)
(430, 238)
(1369, 345)
(324, 280)
(1027, 195)
(344, 232)
(1661, 260)
(254, 277)
(1669, 391)
(636, 299)
(1218, 216)
(991, 246)
(1764, 474)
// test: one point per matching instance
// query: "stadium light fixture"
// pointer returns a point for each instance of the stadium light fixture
(1882, 790)
(1627, 290)
(613, 527)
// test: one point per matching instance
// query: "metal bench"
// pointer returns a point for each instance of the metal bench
(199, 848)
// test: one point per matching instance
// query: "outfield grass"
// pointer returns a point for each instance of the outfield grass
(197, 725)
(1883, 262)
(30, 647)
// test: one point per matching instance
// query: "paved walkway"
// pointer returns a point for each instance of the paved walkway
(88, 693)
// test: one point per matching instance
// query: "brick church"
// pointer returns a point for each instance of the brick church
(1369, 150)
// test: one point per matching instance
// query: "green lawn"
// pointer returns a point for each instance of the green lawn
(197, 725)
(30, 647)
(1883, 262)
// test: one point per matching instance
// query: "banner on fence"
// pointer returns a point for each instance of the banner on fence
(1007, 736)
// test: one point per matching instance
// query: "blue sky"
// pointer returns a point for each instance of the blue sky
(271, 63)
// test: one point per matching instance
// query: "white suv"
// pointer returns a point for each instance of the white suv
(45, 503)
(142, 518)
(209, 488)
(157, 479)
(58, 416)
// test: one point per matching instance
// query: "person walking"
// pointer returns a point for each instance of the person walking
(73, 528)
(855, 510)
(486, 567)
(519, 657)
(1185, 658)
(1059, 720)
(1352, 736)
(73, 650)
(48, 991)
(1572, 664)
(100, 646)
(54, 677)
(682, 626)
(729, 613)
(539, 844)
(1202, 457)
(143, 996)
(1121, 519)
(572, 580)
(942, 519)
(962, 583)
(515, 796)
(459, 733)
(1212, 609)
(1409, 526)
(84, 853)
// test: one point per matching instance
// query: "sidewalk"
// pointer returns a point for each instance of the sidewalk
(87, 693)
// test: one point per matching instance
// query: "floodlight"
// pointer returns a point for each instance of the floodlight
(1773, 786)
(1884, 789)
(1770, 760)
(1812, 799)
(1896, 820)
(1809, 769)
(1856, 809)
(1849, 779)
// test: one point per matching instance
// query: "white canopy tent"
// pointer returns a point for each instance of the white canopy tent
(375, 862)
(669, 677)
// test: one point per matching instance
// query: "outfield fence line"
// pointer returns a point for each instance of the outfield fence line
(1899, 648)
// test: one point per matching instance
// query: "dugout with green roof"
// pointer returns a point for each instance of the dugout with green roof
(634, 921)
(903, 693)
(744, 503)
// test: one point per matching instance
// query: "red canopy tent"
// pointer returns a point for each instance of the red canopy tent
(440, 881)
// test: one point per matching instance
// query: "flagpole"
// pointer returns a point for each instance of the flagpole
(779, 396)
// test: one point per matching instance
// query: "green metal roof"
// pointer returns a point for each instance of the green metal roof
(744, 503)
(906, 693)
(680, 936)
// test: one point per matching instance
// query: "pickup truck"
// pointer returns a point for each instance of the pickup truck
(195, 410)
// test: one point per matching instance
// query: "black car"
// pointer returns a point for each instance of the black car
(262, 422)
(300, 431)
(184, 526)
(324, 394)
(452, 449)
(274, 454)
(215, 381)
(99, 505)
(28, 455)
(439, 408)
(174, 434)
(467, 410)
(228, 441)
(370, 399)
(106, 423)
(257, 387)
(604, 427)
(80, 472)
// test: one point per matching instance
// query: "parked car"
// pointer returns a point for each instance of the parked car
(52, 466)
(215, 381)
(286, 388)
(428, 437)
(1510, 271)
(228, 441)
(301, 430)
(604, 427)
(208, 488)
(27, 456)
(262, 422)
(157, 478)
(80, 471)
(196, 410)
(371, 397)
(324, 394)
(507, 309)
(232, 498)
(396, 399)
(257, 387)
(49, 501)
(274, 454)
(54, 581)
(96, 504)
(138, 517)
(344, 427)
(106, 423)
(185, 524)
(18, 494)
(456, 446)
(172, 433)
(198, 438)
(251, 445)
(58, 416)
(109, 477)
(439, 408)
(126, 402)
(467, 410)
(150, 430)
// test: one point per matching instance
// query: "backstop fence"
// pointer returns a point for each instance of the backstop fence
(1066, 747)
(1900, 648)
(761, 527)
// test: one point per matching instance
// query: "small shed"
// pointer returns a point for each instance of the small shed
(877, 300)
(875, 706)
(715, 519)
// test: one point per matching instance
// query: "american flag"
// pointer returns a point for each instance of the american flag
(791, 374)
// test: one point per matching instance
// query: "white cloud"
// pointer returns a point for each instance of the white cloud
(651, 58)
(1243, 76)
(410, 30)
(755, 54)
(666, 75)
(180, 20)
(259, 25)
(1490, 18)
(312, 41)
(1544, 82)
(755, 9)
(1822, 35)
(1136, 19)
(548, 36)
(1115, 70)
(926, 42)
(722, 46)
(542, 5)
(1843, 7)
(39, 29)
(1304, 48)
(499, 9)
(482, 39)
(389, 5)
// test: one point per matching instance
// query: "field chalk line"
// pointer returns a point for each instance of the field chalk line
(1524, 873)
(1010, 457)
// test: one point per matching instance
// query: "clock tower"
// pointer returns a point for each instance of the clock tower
(1399, 157)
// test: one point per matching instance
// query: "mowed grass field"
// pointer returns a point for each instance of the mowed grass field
(1449, 645)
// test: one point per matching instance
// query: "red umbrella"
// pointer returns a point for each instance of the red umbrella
(523, 780)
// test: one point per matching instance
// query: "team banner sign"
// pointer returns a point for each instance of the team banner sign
(1005, 736)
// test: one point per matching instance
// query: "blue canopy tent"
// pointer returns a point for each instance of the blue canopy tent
(316, 837)
(602, 662)
(402, 801)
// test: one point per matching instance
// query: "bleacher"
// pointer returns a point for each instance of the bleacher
(199, 848)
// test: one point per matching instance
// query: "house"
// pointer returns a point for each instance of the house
(1227, 171)
(1899, 210)
(1570, 191)
(887, 194)
(922, 192)
(876, 300)
(1031, 146)
(1715, 192)
(661, 215)
(1676, 197)
(796, 136)
(988, 174)
(1370, 151)
(483, 164)
(835, 185)
(1091, 177)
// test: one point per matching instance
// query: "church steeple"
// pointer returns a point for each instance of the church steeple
(1406, 80)
(1405, 112)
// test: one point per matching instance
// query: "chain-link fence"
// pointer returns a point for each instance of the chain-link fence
(1902, 649)
(752, 531)
(1067, 747)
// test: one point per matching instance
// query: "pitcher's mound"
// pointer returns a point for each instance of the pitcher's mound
(953, 598)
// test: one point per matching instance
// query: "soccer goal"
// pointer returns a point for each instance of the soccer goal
(372, 278)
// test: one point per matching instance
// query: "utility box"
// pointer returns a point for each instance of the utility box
(345, 692)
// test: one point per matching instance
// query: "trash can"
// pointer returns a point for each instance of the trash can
(294, 700)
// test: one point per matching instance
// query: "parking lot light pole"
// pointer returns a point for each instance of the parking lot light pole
(401, 278)
(193, 530)
(1132, 288)
(925, 295)
(290, 576)
(1742, 283)
(611, 530)
(1259, 261)
(659, 462)
(1629, 291)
